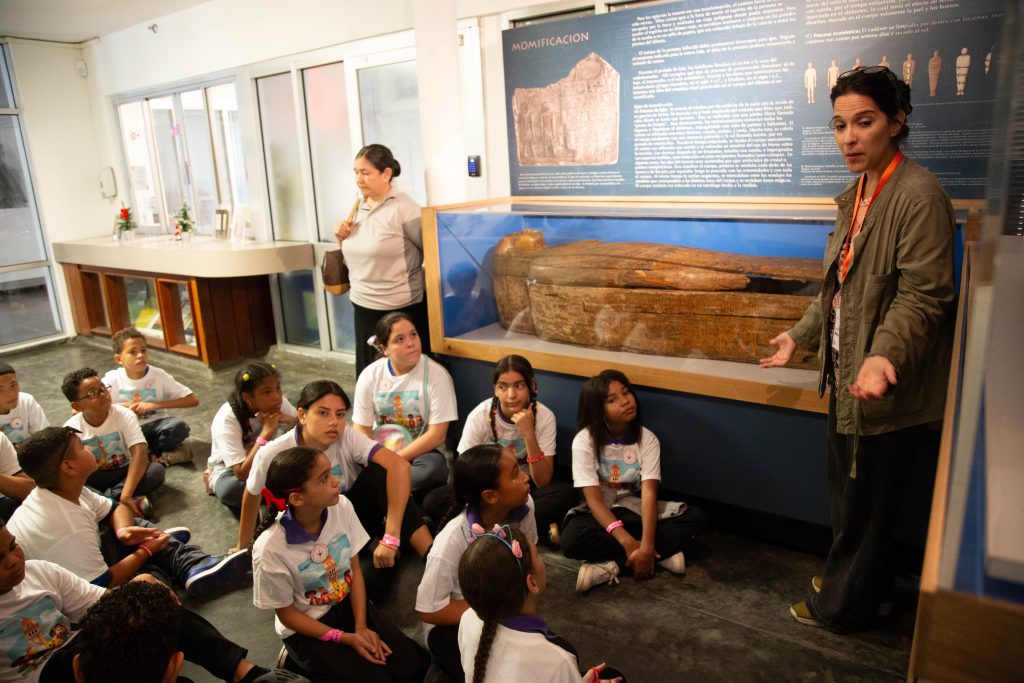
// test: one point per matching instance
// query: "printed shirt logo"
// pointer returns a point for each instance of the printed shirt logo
(130, 395)
(620, 466)
(27, 638)
(108, 449)
(401, 408)
(520, 445)
(328, 582)
(339, 472)
(15, 430)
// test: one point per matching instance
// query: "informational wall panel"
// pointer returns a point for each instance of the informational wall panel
(713, 97)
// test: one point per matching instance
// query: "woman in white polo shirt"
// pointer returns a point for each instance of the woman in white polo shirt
(383, 249)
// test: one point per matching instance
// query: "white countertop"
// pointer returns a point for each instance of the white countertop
(202, 256)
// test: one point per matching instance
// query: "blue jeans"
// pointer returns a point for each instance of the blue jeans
(165, 434)
(428, 472)
(110, 482)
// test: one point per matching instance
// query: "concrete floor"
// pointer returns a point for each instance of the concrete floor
(726, 620)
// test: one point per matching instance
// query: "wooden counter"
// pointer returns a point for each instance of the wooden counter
(212, 296)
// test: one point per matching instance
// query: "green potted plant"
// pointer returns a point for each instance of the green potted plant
(184, 225)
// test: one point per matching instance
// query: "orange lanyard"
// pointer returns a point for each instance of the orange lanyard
(855, 225)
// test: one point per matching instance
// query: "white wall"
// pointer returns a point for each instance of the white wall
(61, 136)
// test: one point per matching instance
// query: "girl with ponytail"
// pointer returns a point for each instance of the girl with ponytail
(306, 568)
(513, 415)
(501, 636)
(489, 489)
(256, 408)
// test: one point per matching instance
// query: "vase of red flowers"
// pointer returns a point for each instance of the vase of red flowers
(123, 224)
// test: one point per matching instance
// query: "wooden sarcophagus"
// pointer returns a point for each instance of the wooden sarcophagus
(652, 298)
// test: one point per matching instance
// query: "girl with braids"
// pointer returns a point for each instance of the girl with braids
(489, 489)
(617, 463)
(373, 478)
(514, 416)
(250, 418)
(501, 636)
(306, 568)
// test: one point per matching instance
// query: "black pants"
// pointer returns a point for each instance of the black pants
(365, 320)
(443, 642)
(201, 642)
(858, 571)
(369, 497)
(332, 662)
(171, 564)
(584, 539)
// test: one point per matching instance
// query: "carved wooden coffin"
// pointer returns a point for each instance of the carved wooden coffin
(652, 298)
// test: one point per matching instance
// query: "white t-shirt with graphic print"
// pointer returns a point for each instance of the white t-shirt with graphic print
(24, 419)
(619, 468)
(227, 448)
(477, 431)
(8, 456)
(155, 385)
(111, 442)
(392, 403)
(311, 574)
(36, 617)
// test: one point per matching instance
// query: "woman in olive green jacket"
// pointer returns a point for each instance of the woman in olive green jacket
(882, 328)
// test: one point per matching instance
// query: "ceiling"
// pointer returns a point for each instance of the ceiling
(76, 21)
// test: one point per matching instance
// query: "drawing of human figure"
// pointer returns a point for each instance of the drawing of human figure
(810, 81)
(857, 64)
(963, 65)
(885, 62)
(909, 67)
(934, 67)
(833, 75)
(988, 61)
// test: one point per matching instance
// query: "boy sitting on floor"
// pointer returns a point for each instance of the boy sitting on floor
(20, 414)
(60, 520)
(112, 434)
(39, 601)
(148, 392)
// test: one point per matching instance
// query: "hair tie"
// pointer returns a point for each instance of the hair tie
(245, 376)
(372, 341)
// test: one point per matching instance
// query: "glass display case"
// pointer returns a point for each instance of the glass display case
(679, 295)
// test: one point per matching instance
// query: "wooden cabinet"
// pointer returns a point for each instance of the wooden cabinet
(214, 319)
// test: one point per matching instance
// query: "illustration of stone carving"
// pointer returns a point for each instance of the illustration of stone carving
(651, 298)
(963, 65)
(988, 61)
(833, 75)
(909, 67)
(885, 62)
(934, 67)
(572, 122)
(810, 81)
(857, 64)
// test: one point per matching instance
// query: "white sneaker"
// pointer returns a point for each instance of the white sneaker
(595, 573)
(675, 564)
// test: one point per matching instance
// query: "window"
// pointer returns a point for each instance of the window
(28, 303)
(309, 142)
(185, 147)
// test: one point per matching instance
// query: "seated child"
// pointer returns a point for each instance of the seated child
(15, 485)
(20, 414)
(617, 463)
(148, 392)
(513, 415)
(60, 522)
(40, 601)
(490, 489)
(112, 434)
(306, 569)
(250, 418)
(373, 478)
(501, 636)
(406, 401)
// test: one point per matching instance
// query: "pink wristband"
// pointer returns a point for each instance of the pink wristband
(539, 458)
(143, 546)
(614, 525)
(261, 441)
(391, 541)
(332, 636)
